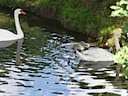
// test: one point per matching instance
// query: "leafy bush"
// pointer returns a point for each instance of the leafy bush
(86, 19)
(81, 15)
(121, 56)
(81, 19)
(12, 3)
(121, 10)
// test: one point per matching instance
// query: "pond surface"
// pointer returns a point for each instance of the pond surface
(44, 66)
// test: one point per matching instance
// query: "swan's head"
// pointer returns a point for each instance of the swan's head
(19, 11)
(118, 33)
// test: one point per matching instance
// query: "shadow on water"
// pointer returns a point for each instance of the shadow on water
(50, 25)
(42, 66)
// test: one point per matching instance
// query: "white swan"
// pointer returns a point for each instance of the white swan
(99, 54)
(6, 35)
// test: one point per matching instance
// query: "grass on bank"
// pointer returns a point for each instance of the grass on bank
(86, 16)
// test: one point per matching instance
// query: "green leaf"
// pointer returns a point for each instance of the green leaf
(115, 7)
(127, 6)
(123, 2)
(115, 13)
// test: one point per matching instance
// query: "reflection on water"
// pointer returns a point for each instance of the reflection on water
(95, 65)
(42, 66)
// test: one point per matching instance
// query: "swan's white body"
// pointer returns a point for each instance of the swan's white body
(95, 54)
(6, 35)
(99, 54)
(4, 44)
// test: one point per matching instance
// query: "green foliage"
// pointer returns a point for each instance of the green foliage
(42, 2)
(121, 56)
(81, 19)
(126, 74)
(124, 41)
(2, 2)
(88, 19)
(80, 15)
(120, 9)
(6, 22)
(12, 3)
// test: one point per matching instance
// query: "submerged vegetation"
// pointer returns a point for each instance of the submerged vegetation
(85, 16)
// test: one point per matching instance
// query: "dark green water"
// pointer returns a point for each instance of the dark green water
(46, 67)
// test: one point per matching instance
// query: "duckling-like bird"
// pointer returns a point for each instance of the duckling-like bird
(81, 46)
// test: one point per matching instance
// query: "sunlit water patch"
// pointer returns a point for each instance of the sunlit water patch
(45, 66)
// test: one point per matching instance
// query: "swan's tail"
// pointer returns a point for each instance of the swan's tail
(80, 55)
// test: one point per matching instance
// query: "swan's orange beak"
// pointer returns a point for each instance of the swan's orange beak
(22, 12)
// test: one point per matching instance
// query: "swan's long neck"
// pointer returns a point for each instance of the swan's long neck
(116, 39)
(18, 27)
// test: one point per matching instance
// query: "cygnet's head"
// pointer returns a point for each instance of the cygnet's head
(78, 47)
(118, 33)
(19, 11)
(81, 46)
(85, 45)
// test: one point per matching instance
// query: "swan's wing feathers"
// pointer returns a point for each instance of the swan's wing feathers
(6, 34)
(97, 54)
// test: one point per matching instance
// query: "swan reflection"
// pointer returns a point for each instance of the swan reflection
(19, 45)
(95, 65)
(12, 74)
(4, 44)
